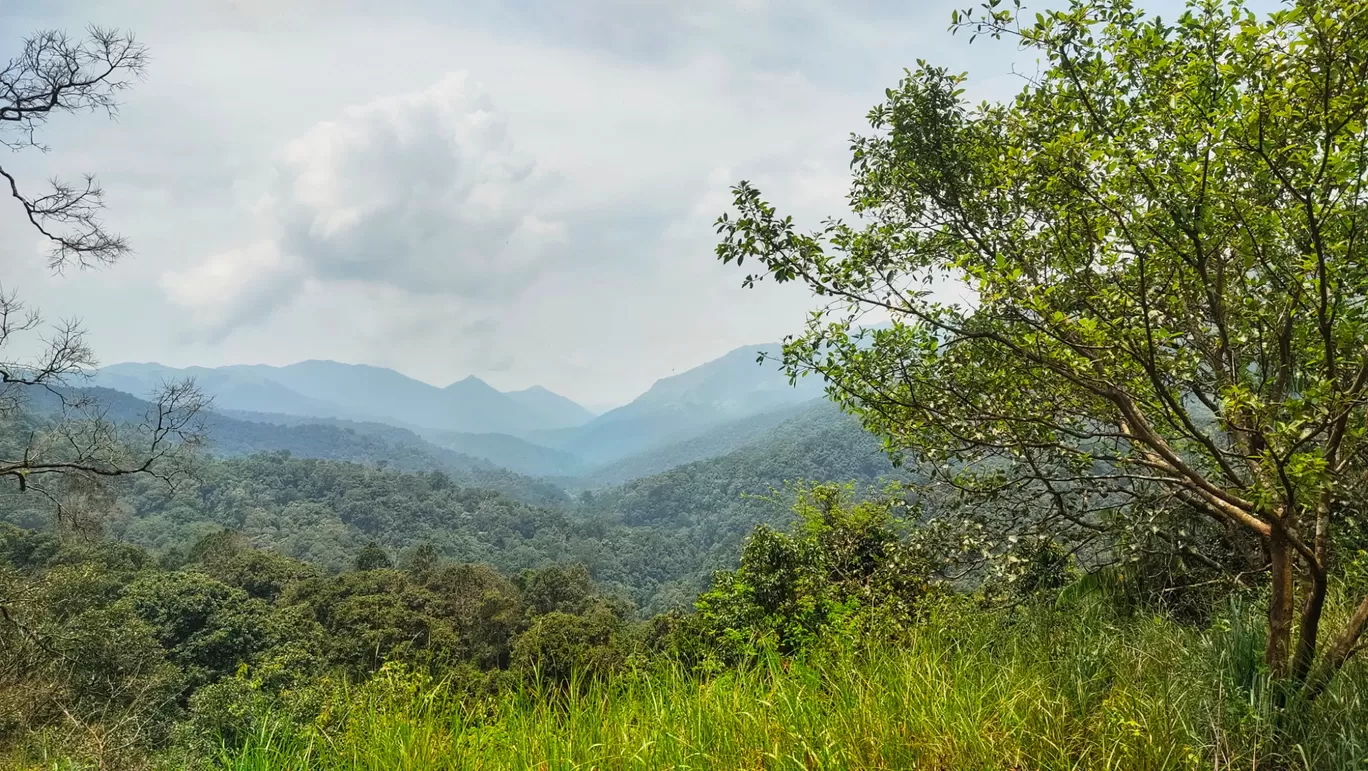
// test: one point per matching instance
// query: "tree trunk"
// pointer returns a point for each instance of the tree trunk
(1309, 628)
(1279, 606)
(1344, 647)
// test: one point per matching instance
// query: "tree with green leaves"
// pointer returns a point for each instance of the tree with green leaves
(1133, 298)
(423, 559)
(373, 557)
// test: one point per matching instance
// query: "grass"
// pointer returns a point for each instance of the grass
(1045, 690)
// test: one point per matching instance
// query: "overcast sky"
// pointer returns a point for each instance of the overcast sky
(521, 190)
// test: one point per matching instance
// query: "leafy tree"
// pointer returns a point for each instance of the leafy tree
(560, 647)
(557, 588)
(423, 559)
(373, 558)
(207, 627)
(227, 557)
(372, 616)
(1133, 298)
(483, 607)
(845, 564)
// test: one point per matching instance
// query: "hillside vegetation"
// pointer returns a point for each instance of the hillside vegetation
(656, 540)
(828, 644)
(1104, 508)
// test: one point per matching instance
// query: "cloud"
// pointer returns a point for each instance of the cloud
(553, 225)
(226, 289)
(423, 192)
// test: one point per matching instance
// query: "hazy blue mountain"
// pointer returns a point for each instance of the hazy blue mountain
(719, 440)
(734, 384)
(360, 392)
(230, 389)
(532, 431)
(685, 406)
(504, 450)
(818, 444)
(707, 507)
(563, 411)
(511, 453)
(327, 439)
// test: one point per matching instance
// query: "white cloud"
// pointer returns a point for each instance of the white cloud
(422, 192)
(226, 289)
(301, 179)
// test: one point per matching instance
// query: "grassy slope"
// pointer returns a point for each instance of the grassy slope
(1047, 692)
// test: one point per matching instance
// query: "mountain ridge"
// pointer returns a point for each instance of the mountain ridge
(532, 430)
(324, 388)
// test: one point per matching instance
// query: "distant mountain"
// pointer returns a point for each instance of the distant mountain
(533, 431)
(504, 450)
(236, 390)
(718, 440)
(818, 444)
(552, 405)
(511, 452)
(685, 406)
(329, 389)
(368, 443)
(707, 507)
(733, 384)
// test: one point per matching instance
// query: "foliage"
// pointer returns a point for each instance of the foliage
(372, 557)
(99, 643)
(846, 566)
(1162, 316)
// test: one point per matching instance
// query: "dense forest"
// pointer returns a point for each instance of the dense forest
(1066, 469)
(656, 539)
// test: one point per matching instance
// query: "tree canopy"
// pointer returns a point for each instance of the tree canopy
(1131, 299)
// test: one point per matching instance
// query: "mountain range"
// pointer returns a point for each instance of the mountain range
(651, 496)
(330, 389)
(533, 431)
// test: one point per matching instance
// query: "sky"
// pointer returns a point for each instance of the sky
(523, 190)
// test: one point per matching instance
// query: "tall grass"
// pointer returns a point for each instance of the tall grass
(1040, 690)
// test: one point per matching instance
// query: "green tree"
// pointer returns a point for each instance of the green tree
(423, 559)
(376, 615)
(373, 558)
(562, 649)
(484, 608)
(845, 563)
(207, 627)
(1132, 298)
(557, 588)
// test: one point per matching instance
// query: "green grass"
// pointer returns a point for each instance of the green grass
(1047, 691)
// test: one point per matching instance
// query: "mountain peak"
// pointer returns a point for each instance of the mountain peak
(470, 380)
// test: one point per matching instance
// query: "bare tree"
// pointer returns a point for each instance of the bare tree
(55, 74)
(73, 436)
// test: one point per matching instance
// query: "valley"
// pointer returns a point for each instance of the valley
(651, 497)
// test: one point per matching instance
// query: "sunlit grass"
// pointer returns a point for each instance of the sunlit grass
(1051, 691)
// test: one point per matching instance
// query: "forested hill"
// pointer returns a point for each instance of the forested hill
(326, 512)
(365, 443)
(322, 492)
(718, 440)
(708, 506)
(503, 450)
